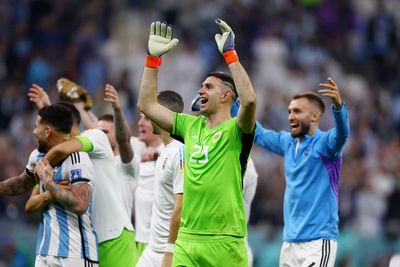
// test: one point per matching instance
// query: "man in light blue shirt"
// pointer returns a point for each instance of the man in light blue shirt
(312, 162)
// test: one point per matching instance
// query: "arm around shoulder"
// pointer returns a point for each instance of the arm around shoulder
(61, 151)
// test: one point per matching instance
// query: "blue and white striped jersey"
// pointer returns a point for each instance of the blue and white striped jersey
(63, 233)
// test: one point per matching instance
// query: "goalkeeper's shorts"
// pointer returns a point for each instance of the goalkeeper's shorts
(209, 250)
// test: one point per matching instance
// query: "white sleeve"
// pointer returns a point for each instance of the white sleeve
(78, 168)
(101, 145)
(33, 159)
(177, 170)
(250, 182)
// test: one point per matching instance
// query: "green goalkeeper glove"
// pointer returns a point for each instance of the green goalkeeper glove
(160, 39)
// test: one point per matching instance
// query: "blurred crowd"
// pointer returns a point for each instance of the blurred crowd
(288, 46)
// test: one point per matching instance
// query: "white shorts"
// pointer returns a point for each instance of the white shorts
(395, 260)
(150, 258)
(316, 253)
(53, 261)
(250, 256)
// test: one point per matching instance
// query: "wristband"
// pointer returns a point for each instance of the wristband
(152, 62)
(231, 56)
(169, 247)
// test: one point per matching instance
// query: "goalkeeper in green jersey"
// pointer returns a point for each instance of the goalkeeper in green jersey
(213, 223)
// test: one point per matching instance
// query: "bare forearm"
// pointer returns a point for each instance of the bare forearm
(175, 219)
(247, 111)
(243, 84)
(88, 119)
(123, 135)
(61, 151)
(38, 202)
(76, 202)
(147, 102)
(148, 89)
(16, 186)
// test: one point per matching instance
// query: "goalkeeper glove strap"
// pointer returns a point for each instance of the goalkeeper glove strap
(231, 56)
(153, 62)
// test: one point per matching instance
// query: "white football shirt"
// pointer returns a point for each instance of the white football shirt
(109, 216)
(144, 194)
(128, 173)
(168, 182)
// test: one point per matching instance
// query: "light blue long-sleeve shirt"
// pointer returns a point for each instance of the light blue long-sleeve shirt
(312, 178)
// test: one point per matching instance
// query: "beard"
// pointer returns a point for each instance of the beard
(42, 148)
(304, 129)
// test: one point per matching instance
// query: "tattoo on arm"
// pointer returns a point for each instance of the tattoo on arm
(76, 200)
(123, 134)
(16, 185)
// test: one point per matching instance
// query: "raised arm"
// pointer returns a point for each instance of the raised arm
(17, 185)
(38, 95)
(88, 118)
(76, 200)
(339, 135)
(226, 44)
(122, 130)
(160, 42)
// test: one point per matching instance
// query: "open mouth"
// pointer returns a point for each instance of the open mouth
(142, 131)
(294, 126)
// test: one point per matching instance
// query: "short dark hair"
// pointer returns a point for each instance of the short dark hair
(57, 116)
(107, 117)
(76, 115)
(226, 79)
(171, 100)
(313, 98)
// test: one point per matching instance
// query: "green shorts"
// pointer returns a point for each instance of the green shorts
(141, 247)
(209, 251)
(119, 252)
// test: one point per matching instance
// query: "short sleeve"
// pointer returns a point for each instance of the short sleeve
(177, 175)
(78, 168)
(30, 166)
(101, 147)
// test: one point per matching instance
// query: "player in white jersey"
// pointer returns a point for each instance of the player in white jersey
(118, 132)
(66, 236)
(112, 223)
(249, 190)
(145, 188)
(168, 190)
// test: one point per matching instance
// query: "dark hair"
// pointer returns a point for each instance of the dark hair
(171, 100)
(57, 116)
(76, 115)
(226, 79)
(313, 98)
(107, 117)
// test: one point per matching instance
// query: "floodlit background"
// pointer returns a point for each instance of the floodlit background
(287, 46)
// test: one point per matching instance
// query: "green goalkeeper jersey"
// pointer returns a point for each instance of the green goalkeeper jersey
(215, 162)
